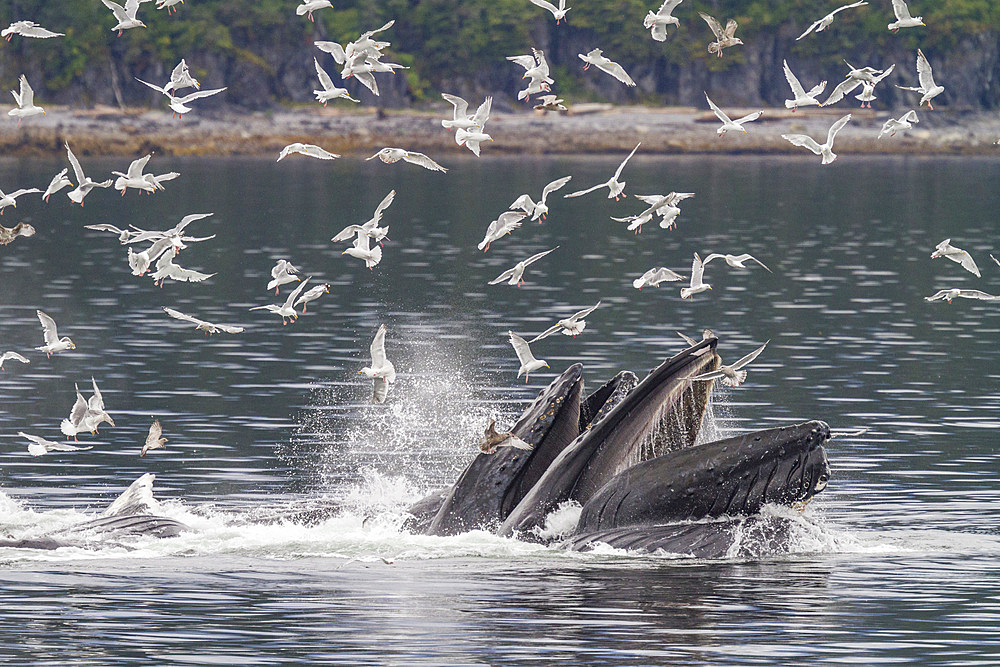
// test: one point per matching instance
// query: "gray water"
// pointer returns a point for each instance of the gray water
(895, 562)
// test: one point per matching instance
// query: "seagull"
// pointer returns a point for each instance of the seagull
(74, 424)
(11, 199)
(287, 309)
(330, 91)
(867, 93)
(165, 268)
(201, 325)
(728, 124)
(133, 177)
(903, 18)
(125, 15)
(40, 446)
(180, 77)
(25, 101)
(175, 234)
(949, 294)
(58, 182)
(735, 261)
(369, 228)
(664, 206)
(28, 29)
(281, 273)
(731, 376)
(168, 5)
(515, 275)
(84, 183)
(362, 250)
(460, 116)
(946, 249)
(492, 440)
(596, 58)
(8, 234)
(528, 362)
(802, 98)
(927, 87)
(139, 262)
(614, 186)
(390, 155)
(654, 277)
(995, 259)
(381, 370)
(705, 335)
(53, 343)
(536, 68)
(657, 23)
(697, 284)
(312, 295)
(723, 38)
(363, 44)
(824, 23)
(12, 355)
(571, 326)
(559, 13)
(503, 225)
(471, 139)
(905, 122)
(309, 6)
(96, 413)
(178, 105)
(867, 76)
(153, 439)
(826, 150)
(539, 210)
(309, 150)
(550, 103)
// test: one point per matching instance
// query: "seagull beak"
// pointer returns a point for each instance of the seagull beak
(547, 366)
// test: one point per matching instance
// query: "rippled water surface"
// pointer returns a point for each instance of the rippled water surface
(895, 562)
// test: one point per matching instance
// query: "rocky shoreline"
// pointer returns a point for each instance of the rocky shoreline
(583, 129)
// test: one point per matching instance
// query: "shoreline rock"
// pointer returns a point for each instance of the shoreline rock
(582, 130)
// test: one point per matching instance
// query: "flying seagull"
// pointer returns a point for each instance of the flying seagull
(824, 23)
(731, 375)
(514, 276)
(202, 325)
(153, 438)
(528, 362)
(12, 355)
(559, 13)
(614, 186)
(309, 150)
(826, 150)
(723, 38)
(927, 88)
(381, 371)
(538, 210)
(28, 29)
(25, 100)
(903, 18)
(736, 261)
(802, 98)
(390, 155)
(53, 343)
(503, 225)
(728, 124)
(697, 285)
(597, 58)
(946, 249)
(40, 446)
(655, 276)
(571, 326)
(9, 234)
(657, 22)
(905, 122)
(949, 294)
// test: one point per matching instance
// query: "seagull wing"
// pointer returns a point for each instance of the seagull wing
(116, 9)
(713, 24)
(835, 128)
(910, 116)
(976, 294)
(580, 193)
(545, 5)
(461, 106)
(23, 191)
(384, 204)
(804, 141)
(697, 271)
(527, 62)
(334, 49)
(810, 28)
(663, 274)
(924, 73)
(545, 334)
(521, 348)
(554, 185)
(940, 295)
(294, 294)
(198, 94)
(900, 9)
(155, 432)
(77, 169)
(797, 89)
(422, 160)
(749, 117)
(324, 78)
(49, 332)
(178, 315)
(618, 172)
(378, 348)
(884, 74)
(538, 256)
(750, 357)
(483, 112)
(317, 152)
(731, 26)
(187, 220)
(718, 112)
(668, 7)
(844, 87)
(380, 389)
(745, 256)
(524, 202)
(617, 71)
(96, 402)
(35, 30)
(503, 277)
(347, 233)
(586, 311)
(687, 339)
(158, 89)
(27, 94)
(714, 255)
(965, 259)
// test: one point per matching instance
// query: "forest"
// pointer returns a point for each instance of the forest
(262, 51)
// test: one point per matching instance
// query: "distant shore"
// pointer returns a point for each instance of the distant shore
(584, 129)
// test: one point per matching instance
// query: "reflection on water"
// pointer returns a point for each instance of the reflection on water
(279, 415)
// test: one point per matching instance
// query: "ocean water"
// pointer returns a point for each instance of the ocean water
(296, 483)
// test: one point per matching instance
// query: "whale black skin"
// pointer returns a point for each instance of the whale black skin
(493, 483)
(732, 477)
(101, 531)
(663, 413)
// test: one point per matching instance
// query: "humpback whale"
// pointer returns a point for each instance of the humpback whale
(629, 456)
(133, 513)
